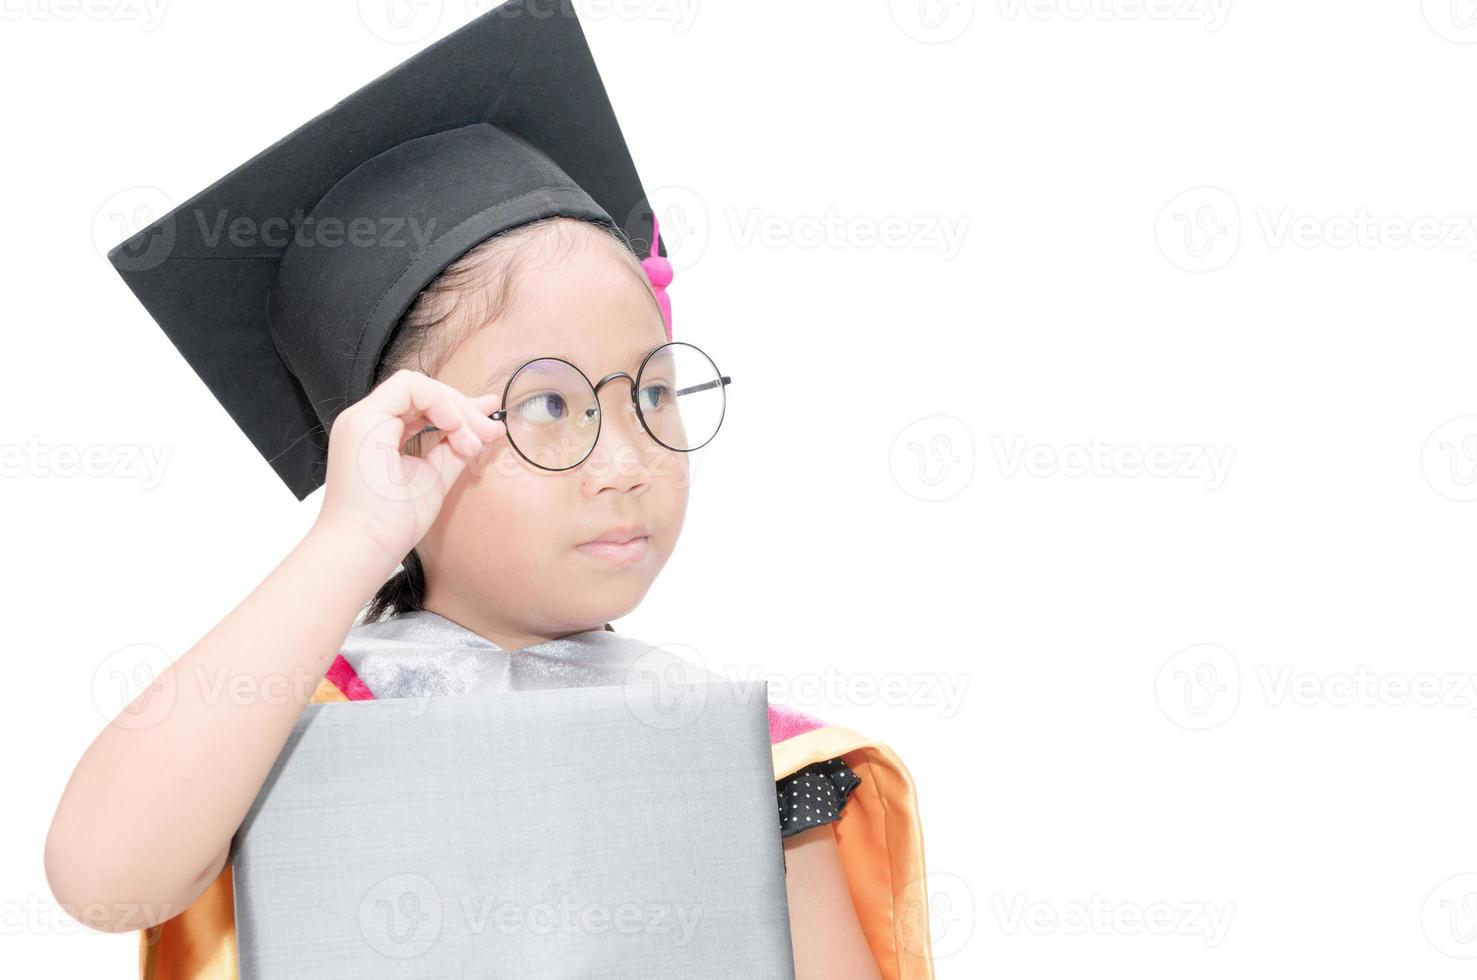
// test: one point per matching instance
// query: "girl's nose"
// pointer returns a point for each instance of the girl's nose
(619, 458)
(618, 410)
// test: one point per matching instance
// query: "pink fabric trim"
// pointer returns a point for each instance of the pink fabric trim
(343, 677)
(785, 722)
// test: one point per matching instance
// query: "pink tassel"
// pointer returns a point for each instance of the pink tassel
(659, 271)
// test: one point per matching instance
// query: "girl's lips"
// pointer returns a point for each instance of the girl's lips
(623, 554)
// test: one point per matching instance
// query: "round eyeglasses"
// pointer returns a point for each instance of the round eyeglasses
(552, 411)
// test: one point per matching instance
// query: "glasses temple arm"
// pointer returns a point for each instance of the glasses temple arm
(725, 380)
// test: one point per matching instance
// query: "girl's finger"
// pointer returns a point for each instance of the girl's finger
(479, 408)
(478, 429)
(473, 430)
(448, 462)
(412, 396)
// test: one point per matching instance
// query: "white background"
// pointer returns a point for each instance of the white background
(946, 250)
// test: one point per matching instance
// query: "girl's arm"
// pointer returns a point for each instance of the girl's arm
(146, 820)
(145, 823)
(827, 938)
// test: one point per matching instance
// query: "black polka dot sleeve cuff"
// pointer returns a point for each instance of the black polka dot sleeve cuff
(814, 795)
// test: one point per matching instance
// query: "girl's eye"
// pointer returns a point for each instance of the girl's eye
(654, 397)
(548, 406)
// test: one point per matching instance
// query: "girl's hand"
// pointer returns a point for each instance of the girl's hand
(376, 487)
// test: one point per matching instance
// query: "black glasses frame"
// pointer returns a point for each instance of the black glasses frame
(722, 380)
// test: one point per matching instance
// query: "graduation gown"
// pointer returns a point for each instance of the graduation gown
(878, 834)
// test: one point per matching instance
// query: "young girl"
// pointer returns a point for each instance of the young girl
(493, 558)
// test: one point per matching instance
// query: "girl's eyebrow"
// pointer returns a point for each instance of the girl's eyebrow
(503, 372)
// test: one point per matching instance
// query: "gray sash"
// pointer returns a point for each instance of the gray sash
(423, 653)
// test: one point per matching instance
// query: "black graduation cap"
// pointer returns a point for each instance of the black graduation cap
(282, 282)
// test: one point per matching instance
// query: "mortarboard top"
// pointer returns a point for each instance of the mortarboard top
(282, 281)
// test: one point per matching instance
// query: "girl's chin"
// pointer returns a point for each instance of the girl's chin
(602, 594)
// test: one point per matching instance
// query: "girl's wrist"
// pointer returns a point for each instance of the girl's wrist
(360, 550)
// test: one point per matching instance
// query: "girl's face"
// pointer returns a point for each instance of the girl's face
(504, 556)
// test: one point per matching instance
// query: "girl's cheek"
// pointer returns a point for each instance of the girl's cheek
(678, 479)
(664, 467)
(501, 464)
